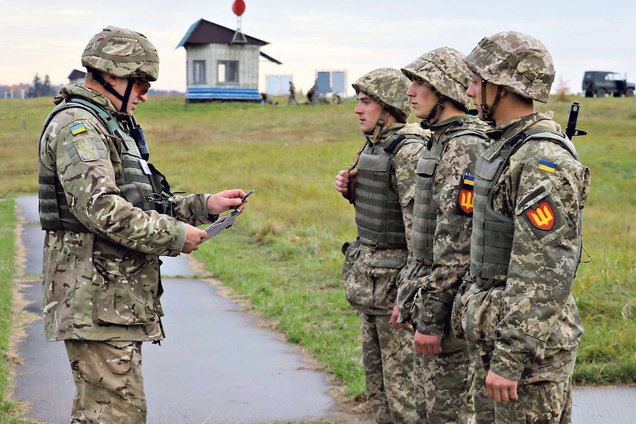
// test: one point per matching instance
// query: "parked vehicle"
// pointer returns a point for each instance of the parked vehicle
(602, 83)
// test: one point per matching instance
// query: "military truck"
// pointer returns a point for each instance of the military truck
(602, 83)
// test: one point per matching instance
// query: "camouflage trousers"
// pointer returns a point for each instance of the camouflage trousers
(540, 401)
(444, 385)
(389, 358)
(108, 382)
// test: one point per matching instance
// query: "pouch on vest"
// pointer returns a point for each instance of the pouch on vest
(426, 167)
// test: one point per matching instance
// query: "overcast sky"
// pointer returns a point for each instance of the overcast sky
(308, 35)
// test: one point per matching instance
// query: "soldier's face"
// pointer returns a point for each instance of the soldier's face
(368, 111)
(422, 98)
(474, 92)
(137, 94)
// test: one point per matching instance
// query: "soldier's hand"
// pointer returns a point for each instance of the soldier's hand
(501, 389)
(426, 345)
(225, 200)
(194, 237)
(394, 319)
(342, 181)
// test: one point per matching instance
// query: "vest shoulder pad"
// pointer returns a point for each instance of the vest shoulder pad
(544, 133)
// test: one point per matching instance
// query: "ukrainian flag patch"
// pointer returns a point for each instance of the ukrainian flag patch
(78, 129)
(415, 169)
(544, 165)
(468, 179)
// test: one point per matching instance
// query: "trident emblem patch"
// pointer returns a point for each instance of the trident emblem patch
(466, 200)
(542, 217)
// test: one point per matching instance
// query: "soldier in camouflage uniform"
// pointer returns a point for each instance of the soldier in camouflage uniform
(442, 225)
(108, 216)
(384, 186)
(516, 309)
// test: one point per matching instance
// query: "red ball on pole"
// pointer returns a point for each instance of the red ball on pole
(238, 7)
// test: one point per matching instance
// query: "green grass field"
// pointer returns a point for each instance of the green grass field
(283, 254)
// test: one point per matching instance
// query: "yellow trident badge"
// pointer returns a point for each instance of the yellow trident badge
(542, 217)
(466, 200)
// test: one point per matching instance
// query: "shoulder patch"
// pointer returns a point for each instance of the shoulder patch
(466, 196)
(78, 129)
(542, 217)
(544, 165)
(86, 148)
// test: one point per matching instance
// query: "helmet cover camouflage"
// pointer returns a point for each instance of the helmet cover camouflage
(516, 61)
(388, 87)
(123, 54)
(446, 71)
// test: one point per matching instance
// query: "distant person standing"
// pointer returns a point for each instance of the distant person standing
(384, 186)
(311, 95)
(517, 310)
(292, 94)
(108, 216)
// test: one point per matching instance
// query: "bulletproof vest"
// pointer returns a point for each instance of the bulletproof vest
(378, 209)
(492, 235)
(142, 187)
(424, 211)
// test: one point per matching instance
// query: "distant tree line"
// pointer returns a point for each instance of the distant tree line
(42, 88)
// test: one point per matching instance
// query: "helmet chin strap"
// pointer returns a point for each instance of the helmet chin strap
(489, 111)
(436, 112)
(108, 87)
(373, 136)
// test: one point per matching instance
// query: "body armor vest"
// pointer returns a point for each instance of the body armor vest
(142, 190)
(425, 210)
(378, 209)
(492, 235)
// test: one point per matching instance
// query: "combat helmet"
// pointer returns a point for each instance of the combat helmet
(386, 86)
(445, 71)
(515, 61)
(122, 53)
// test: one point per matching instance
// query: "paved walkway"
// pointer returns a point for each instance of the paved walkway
(216, 365)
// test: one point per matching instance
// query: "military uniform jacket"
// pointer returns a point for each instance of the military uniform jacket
(104, 284)
(448, 165)
(370, 273)
(529, 315)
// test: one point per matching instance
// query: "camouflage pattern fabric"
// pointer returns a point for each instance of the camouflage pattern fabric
(445, 70)
(419, 380)
(451, 251)
(525, 325)
(542, 398)
(388, 356)
(122, 53)
(483, 405)
(516, 61)
(370, 275)
(447, 382)
(370, 279)
(388, 87)
(104, 285)
(446, 376)
(534, 313)
(108, 381)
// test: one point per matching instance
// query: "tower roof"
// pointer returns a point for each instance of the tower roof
(206, 32)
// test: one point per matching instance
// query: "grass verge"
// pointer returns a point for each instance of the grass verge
(9, 410)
